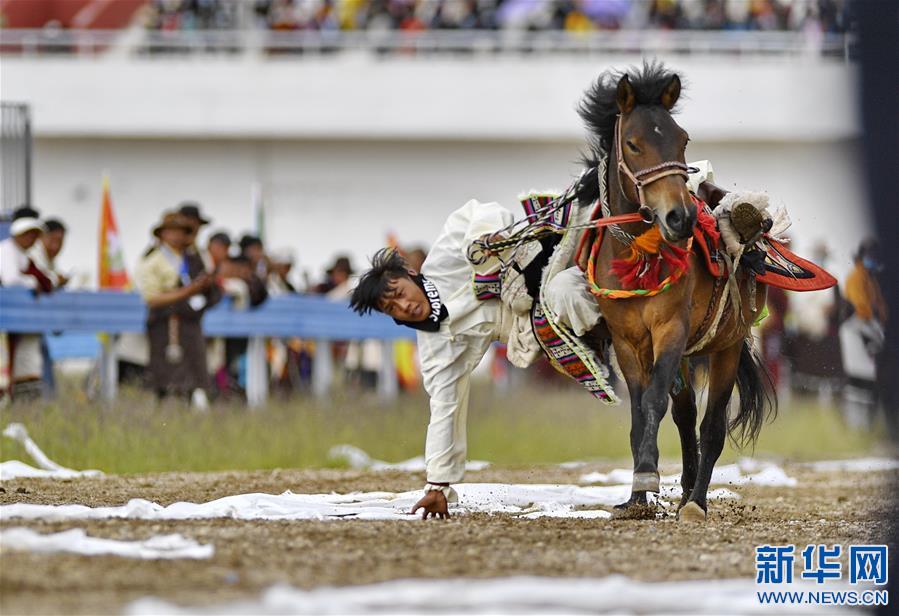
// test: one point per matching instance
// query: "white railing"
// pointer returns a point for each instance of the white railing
(151, 43)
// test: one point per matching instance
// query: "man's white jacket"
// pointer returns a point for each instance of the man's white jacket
(449, 355)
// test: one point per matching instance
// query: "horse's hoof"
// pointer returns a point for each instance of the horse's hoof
(691, 512)
(637, 498)
(646, 482)
(636, 508)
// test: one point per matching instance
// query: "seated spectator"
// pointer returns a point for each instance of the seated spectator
(23, 351)
(176, 301)
(573, 15)
(45, 251)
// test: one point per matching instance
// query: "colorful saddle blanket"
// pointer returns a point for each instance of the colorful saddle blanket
(565, 352)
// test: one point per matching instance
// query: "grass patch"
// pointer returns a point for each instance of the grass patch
(136, 435)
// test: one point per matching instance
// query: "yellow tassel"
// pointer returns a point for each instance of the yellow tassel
(647, 243)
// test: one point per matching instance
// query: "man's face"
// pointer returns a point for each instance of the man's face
(254, 253)
(175, 237)
(53, 242)
(405, 301)
(218, 251)
(26, 240)
(339, 276)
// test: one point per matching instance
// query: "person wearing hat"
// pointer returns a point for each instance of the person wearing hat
(176, 295)
(18, 270)
(191, 209)
(336, 277)
(198, 259)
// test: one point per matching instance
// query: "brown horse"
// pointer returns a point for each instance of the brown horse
(630, 117)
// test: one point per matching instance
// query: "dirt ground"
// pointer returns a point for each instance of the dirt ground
(250, 556)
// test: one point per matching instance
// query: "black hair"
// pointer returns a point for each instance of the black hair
(25, 211)
(869, 247)
(387, 266)
(220, 237)
(249, 240)
(54, 224)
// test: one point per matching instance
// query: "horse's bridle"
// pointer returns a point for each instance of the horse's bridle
(645, 177)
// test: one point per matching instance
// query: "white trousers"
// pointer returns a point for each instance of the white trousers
(568, 295)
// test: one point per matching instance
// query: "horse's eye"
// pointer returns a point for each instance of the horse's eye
(632, 147)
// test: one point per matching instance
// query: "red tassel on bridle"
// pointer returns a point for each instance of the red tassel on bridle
(649, 253)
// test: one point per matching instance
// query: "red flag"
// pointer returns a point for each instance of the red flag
(111, 273)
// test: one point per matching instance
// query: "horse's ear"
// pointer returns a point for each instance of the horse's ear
(671, 93)
(625, 96)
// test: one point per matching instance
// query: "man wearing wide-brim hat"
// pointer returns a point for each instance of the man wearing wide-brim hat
(176, 298)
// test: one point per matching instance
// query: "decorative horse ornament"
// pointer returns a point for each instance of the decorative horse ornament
(674, 307)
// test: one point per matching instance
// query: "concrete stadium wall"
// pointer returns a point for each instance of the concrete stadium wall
(360, 96)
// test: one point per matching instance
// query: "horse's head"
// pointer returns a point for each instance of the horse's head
(650, 148)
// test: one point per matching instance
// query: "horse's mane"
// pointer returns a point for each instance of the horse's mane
(599, 107)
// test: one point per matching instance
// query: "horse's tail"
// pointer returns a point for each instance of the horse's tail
(758, 398)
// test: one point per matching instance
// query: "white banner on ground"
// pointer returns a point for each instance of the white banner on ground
(514, 595)
(525, 500)
(76, 541)
(745, 472)
(12, 469)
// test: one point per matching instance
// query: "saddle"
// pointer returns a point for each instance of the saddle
(778, 265)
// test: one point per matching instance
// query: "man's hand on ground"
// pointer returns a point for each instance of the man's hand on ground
(433, 504)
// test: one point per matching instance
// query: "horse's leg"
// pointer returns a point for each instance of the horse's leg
(713, 430)
(635, 390)
(683, 410)
(668, 349)
(630, 367)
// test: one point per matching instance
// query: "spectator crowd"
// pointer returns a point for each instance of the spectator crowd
(180, 276)
(827, 16)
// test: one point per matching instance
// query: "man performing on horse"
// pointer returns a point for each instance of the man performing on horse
(458, 316)
(457, 307)
(491, 278)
